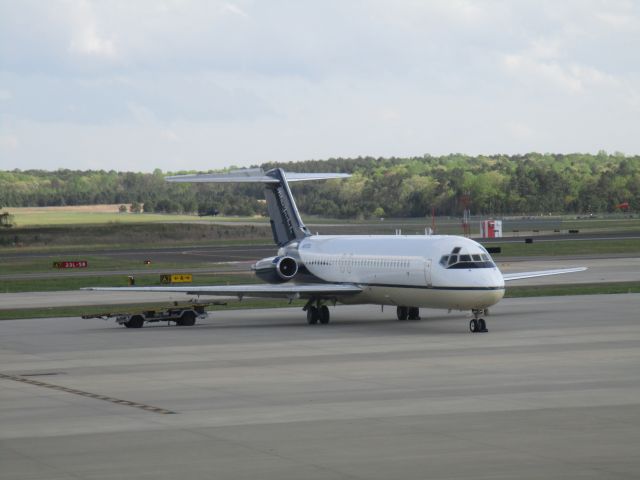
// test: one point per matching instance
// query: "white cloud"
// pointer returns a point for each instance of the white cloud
(520, 130)
(619, 21)
(8, 142)
(235, 9)
(85, 38)
(572, 78)
(187, 83)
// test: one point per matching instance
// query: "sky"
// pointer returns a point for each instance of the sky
(206, 84)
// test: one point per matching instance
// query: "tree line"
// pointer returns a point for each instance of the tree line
(526, 184)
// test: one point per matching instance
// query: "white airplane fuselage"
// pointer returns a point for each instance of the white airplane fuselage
(405, 270)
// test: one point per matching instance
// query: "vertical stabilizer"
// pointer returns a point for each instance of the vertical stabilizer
(286, 224)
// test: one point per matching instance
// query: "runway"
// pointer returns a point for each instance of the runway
(552, 391)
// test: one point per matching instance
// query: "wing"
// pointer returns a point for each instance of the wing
(288, 290)
(540, 273)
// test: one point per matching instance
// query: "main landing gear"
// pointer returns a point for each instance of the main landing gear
(478, 325)
(317, 313)
(408, 313)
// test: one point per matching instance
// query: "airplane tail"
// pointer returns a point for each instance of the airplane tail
(286, 224)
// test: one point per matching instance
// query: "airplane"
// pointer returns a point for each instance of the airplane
(405, 271)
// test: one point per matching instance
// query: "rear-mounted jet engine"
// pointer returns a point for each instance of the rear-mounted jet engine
(276, 269)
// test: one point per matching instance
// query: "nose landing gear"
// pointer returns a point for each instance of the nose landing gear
(477, 325)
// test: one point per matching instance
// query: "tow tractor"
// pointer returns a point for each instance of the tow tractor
(184, 315)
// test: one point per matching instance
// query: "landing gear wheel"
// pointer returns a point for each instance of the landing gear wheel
(135, 322)
(482, 326)
(323, 313)
(473, 326)
(414, 313)
(312, 315)
(402, 312)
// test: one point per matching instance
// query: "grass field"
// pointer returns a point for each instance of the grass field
(122, 235)
(565, 248)
(569, 289)
(102, 214)
(53, 312)
(97, 263)
(33, 217)
(63, 283)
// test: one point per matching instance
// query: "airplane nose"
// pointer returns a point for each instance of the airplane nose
(495, 288)
(497, 279)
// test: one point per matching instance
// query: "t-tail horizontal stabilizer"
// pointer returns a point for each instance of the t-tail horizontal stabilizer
(286, 223)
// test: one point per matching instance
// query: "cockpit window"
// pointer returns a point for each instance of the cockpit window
(463, 261)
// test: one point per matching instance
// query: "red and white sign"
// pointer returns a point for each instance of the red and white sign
(76, 264)
(491, 228)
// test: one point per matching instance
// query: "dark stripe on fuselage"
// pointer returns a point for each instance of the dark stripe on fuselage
(307, 277)
(424, 287)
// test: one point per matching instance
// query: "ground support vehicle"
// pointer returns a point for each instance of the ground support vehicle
(184, 315)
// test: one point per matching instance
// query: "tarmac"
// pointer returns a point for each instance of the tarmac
(552, 391)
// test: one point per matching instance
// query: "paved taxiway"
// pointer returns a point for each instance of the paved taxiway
(553, 391)
(600, 270)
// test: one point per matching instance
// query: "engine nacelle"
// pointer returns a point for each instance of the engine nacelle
(276, 269)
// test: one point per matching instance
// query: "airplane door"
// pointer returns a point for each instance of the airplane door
(427, 271)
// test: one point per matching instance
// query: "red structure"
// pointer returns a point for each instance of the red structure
(76, 264)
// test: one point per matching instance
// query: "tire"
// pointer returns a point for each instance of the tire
(135, 322)
(414, 313)
(312, 315)
(473, 326)
(324, 314)
(482, 325)
(402, 312)
(188, 319)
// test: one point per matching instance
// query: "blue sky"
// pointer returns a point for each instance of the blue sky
(207, 84)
